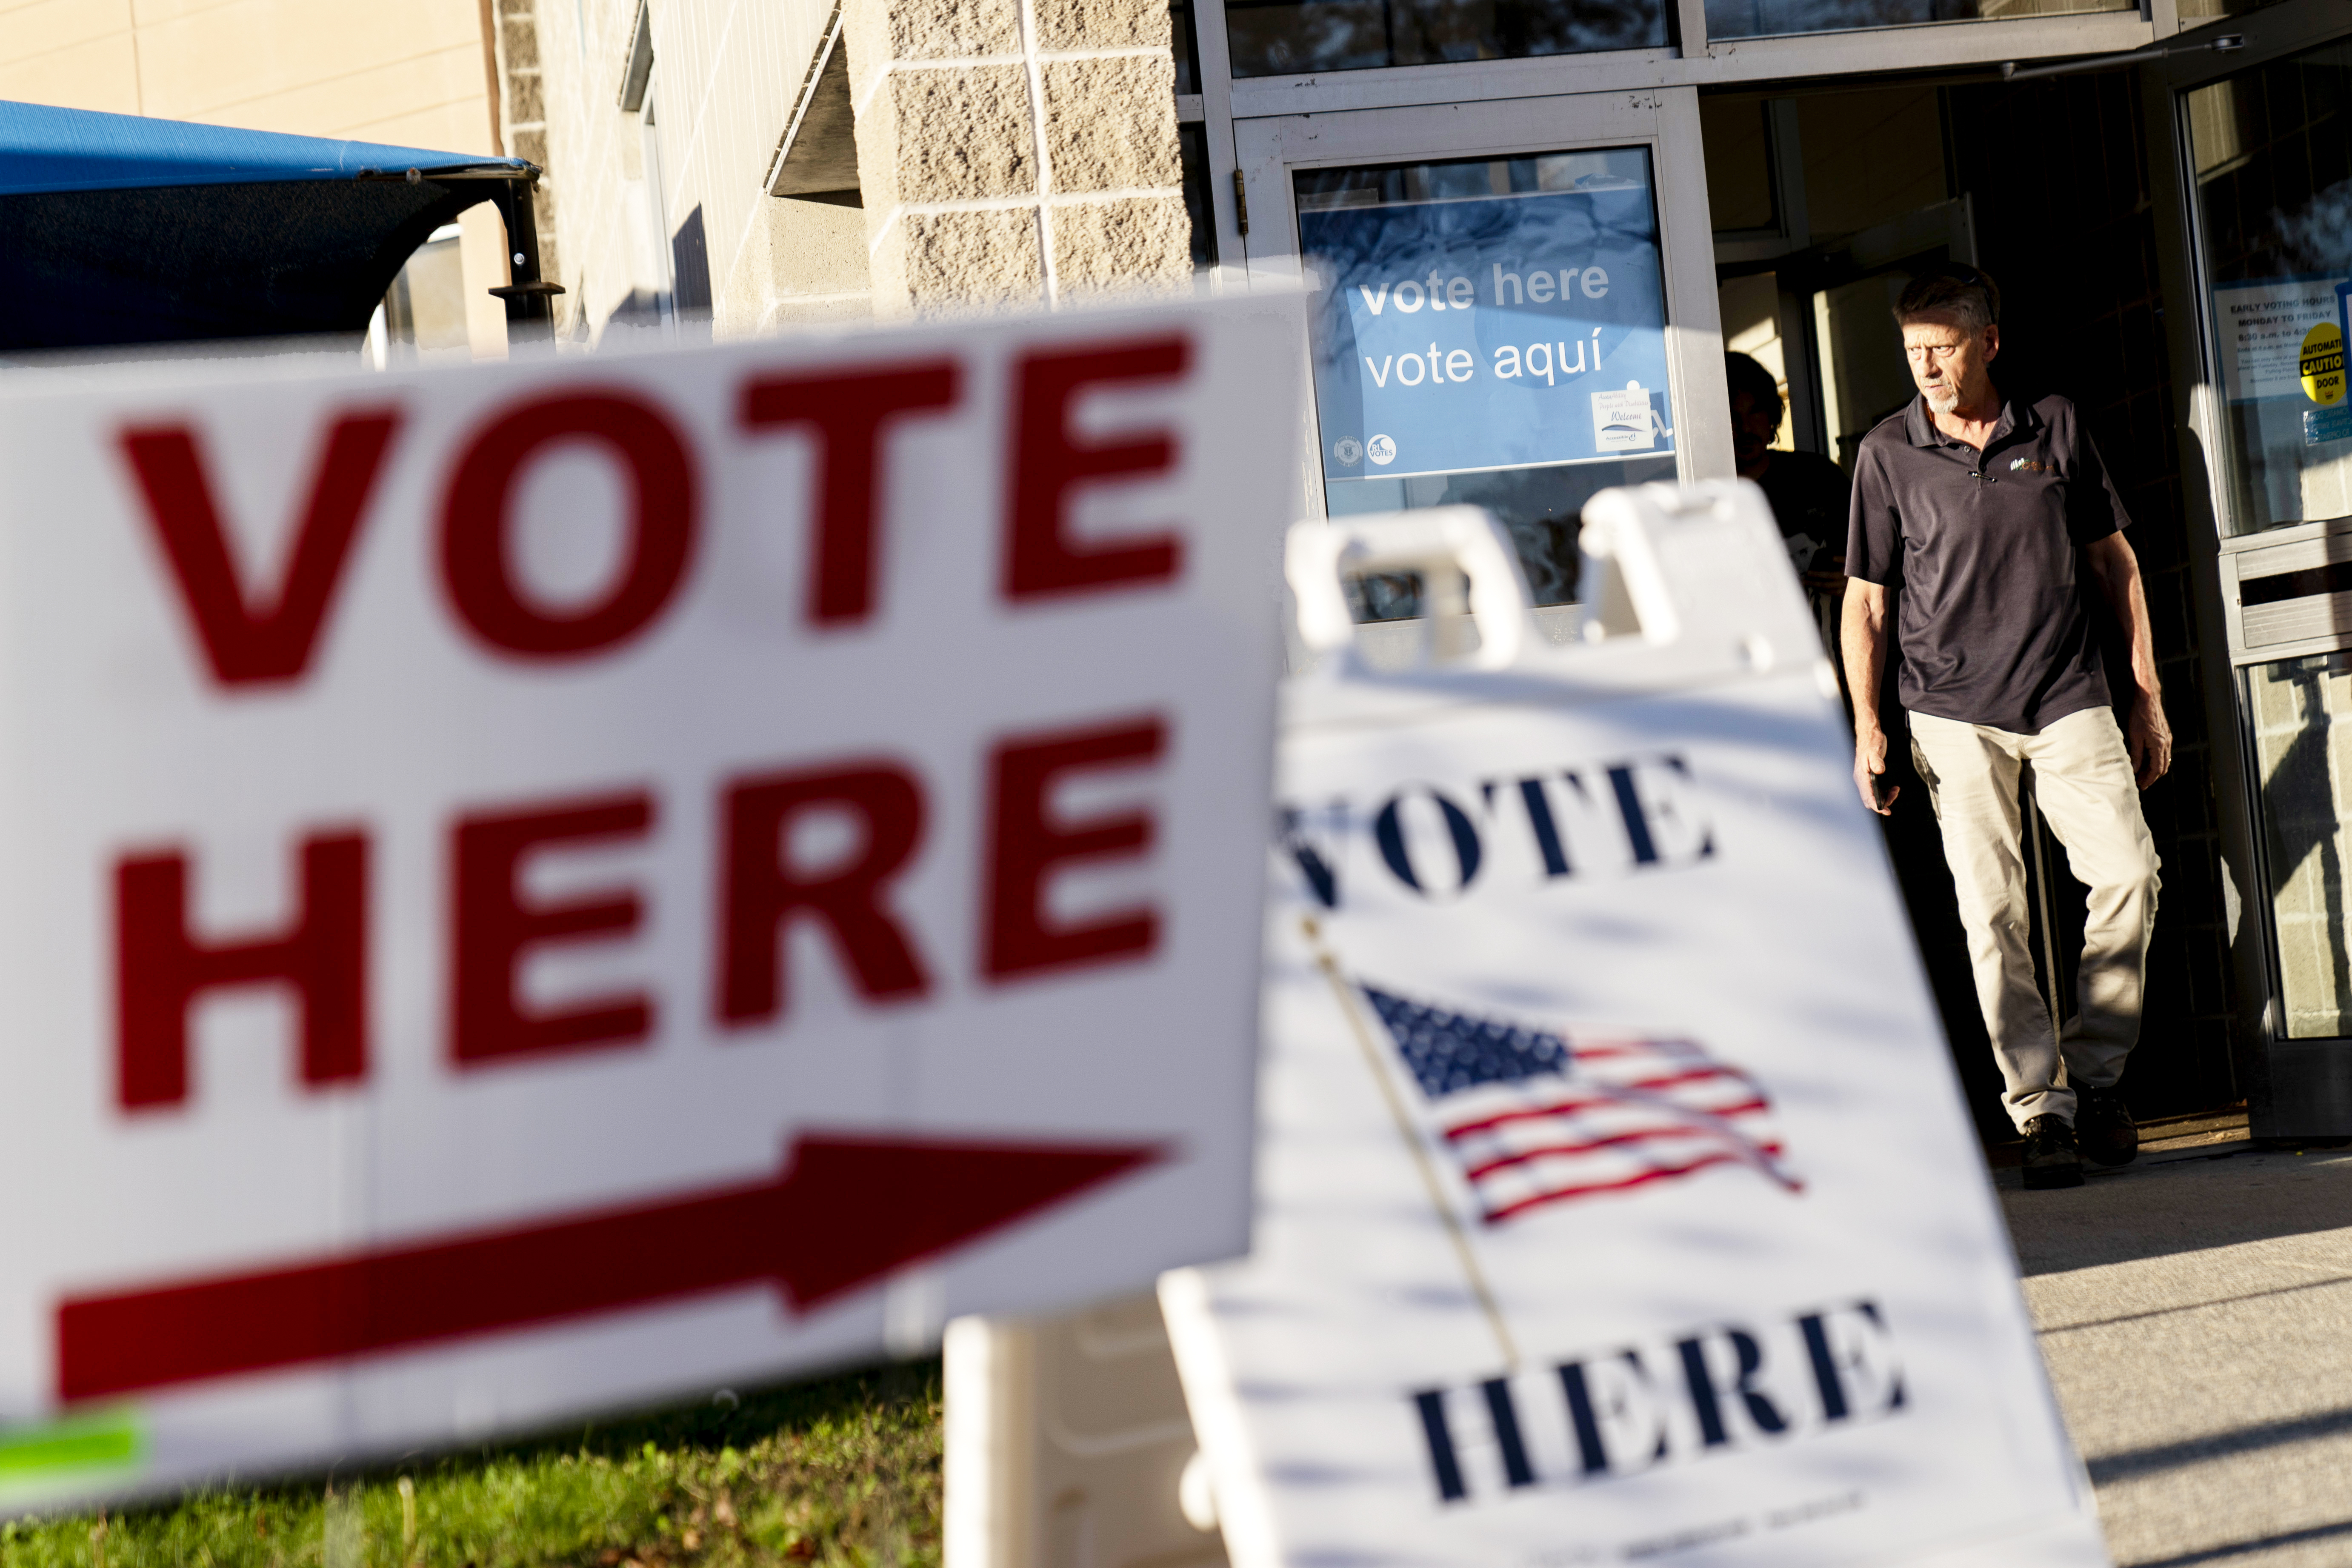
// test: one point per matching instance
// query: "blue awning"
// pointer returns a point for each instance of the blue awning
(46, 149)
(118, 229)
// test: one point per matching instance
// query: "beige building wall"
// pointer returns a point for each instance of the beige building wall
(1008, 154)
(726, 74)
(416, 73)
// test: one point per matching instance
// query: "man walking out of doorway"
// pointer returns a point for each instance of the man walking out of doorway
(1996, 521)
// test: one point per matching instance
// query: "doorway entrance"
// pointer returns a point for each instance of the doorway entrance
(1836, 195)
(2119, 199)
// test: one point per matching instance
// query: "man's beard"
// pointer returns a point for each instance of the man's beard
(1943, 399)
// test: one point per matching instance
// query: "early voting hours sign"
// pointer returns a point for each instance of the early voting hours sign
(1479, 332)
(1616, 1203)
(2283, 341)
(535, 888)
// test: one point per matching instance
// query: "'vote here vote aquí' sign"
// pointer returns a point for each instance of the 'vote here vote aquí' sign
(1493, 333)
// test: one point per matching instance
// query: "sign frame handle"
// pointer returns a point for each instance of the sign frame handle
(1464, 540)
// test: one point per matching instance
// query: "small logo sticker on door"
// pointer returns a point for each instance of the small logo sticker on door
(1621, 421)
(1381, 449)
(1349, 451)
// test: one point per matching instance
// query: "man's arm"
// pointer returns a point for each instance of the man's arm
(1865, 641)
(2150, 737)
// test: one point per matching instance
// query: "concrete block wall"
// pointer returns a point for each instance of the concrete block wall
(1016, 152)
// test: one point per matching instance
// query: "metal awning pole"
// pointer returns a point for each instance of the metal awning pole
(529, 299)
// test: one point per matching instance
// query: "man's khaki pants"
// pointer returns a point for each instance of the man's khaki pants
(2083, 783)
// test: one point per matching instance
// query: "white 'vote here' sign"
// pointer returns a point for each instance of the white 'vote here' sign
(531, 887)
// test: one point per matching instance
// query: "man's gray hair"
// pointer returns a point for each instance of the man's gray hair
(1956, 290)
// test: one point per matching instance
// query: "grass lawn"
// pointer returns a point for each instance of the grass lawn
(843, 1472)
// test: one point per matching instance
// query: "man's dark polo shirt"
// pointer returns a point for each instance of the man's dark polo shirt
(1995, 626)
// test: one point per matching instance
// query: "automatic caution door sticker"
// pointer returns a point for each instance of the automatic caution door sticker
(2321, 364)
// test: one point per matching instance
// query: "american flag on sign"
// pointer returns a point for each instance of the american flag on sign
(1534, 1118)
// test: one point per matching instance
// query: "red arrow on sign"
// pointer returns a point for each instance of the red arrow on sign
(843, 1212)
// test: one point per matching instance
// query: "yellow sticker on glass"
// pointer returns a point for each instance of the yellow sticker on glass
(2322, 363)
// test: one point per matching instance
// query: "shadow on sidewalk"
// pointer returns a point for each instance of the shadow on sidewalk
(2248, 1548)
(2184, 1200)
(2134, 1463)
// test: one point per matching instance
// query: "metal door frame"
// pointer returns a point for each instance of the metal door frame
(2294, 1088)
(1664, 120)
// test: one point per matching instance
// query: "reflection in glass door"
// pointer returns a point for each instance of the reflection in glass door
(2272, 156)
(2301, 711)
(2268, 157)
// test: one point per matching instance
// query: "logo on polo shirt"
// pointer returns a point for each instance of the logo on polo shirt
(2029, 465)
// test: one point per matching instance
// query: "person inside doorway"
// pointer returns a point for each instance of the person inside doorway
(1808, 493)
(1996, 519)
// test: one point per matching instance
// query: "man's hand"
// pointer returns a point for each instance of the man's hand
(1870, 770)
(2149, 739)
(1862, 626)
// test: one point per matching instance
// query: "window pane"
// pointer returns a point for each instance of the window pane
(1865, 376)
(2195, 11)
(1192, 150)
(1269, 38)
(1737, 134)
(1491, 332)
(1761, 19)
(1186, 45)
(2272, 151)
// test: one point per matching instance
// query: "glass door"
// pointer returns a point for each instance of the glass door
(1511, 305)
(2264, 119)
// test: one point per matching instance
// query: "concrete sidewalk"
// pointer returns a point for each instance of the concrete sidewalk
(2196, 1313)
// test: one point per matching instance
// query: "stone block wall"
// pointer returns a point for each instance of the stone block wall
(1016, 152)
